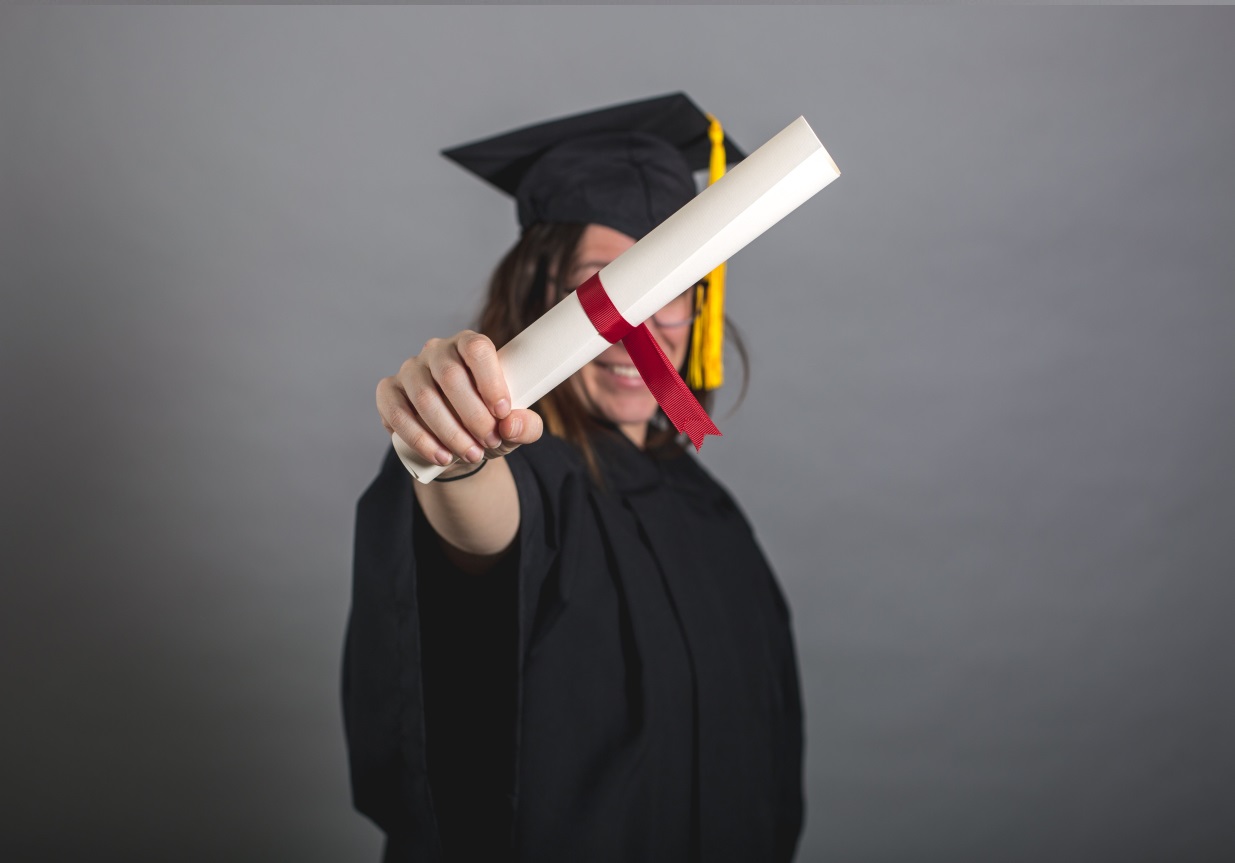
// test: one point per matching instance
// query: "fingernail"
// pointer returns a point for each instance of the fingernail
(494, 440)
(444, 458)
(473, 454)
(501, 408)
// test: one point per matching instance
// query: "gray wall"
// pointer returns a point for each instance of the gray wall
(988, 445)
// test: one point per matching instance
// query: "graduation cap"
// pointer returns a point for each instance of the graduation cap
(628, 167)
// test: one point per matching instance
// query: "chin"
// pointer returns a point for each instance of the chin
(617, 402)
(626, 409)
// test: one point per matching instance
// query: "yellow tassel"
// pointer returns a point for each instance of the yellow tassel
(705, 370)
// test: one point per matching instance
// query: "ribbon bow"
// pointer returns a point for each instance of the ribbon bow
(667, 386)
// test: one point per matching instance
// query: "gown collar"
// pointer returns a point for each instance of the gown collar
(628, 469)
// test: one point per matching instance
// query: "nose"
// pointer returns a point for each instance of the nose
(618, 355)
(673, 341)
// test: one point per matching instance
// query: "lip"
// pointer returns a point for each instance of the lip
(622, 381)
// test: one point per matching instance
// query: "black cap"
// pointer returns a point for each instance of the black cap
(627, 166)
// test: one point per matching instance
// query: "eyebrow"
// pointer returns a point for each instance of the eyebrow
(595, 266)
(600, 263)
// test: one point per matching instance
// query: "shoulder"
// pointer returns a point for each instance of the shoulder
(552, 482)
(692, 479)
(546, 472)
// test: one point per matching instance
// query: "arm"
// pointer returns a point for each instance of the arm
(452, 401)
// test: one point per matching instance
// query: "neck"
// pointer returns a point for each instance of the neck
(637, 433)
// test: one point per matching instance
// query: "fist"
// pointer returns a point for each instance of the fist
(451, 401)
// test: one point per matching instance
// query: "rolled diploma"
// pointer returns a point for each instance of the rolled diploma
(761, 190)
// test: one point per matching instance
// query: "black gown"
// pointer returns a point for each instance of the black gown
(621, 687)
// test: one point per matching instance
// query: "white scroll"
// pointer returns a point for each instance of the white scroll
(757, 193)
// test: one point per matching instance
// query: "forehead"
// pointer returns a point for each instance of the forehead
(599, 245)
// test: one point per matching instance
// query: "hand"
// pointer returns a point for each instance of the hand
(451, 400)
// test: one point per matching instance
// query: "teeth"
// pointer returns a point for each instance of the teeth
(625, 371)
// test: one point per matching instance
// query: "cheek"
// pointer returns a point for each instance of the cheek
(578, 382)
(675, 345)
(586, 385)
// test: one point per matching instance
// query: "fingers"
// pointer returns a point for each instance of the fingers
(480, 356)
(463, 422)
(399, 419)
(448, 401)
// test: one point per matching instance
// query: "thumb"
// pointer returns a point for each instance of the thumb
(520, 427)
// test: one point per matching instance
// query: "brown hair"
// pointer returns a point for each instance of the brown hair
(519, 293)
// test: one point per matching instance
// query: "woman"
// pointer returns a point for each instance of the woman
(568, 647)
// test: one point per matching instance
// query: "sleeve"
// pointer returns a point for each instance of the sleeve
(547, 476)
(791, 809)
(790, 744)
(383, 703)
(468, 668)
(433, 663)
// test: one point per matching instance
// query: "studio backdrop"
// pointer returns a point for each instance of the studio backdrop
(987, 443)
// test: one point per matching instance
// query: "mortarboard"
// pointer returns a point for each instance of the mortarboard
(628, 167)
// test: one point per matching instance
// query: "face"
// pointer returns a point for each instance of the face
(610, 384)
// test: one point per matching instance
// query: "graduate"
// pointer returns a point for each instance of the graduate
(569, 646)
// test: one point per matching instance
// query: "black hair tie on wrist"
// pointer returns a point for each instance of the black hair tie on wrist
(483, 462)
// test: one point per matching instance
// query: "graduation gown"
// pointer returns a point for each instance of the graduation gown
(621, 687)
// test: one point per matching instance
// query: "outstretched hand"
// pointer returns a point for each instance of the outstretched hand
(451, 401)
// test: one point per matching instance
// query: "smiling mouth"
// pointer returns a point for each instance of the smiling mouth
(622, 371)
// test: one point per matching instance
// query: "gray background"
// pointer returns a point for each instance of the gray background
(987, 446)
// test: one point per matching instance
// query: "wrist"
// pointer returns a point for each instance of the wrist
(461, 470)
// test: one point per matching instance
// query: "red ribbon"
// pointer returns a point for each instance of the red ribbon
(667, 386)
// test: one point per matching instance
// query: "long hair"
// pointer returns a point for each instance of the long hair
(522, 288)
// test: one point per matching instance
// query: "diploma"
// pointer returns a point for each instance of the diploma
(757, 193)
